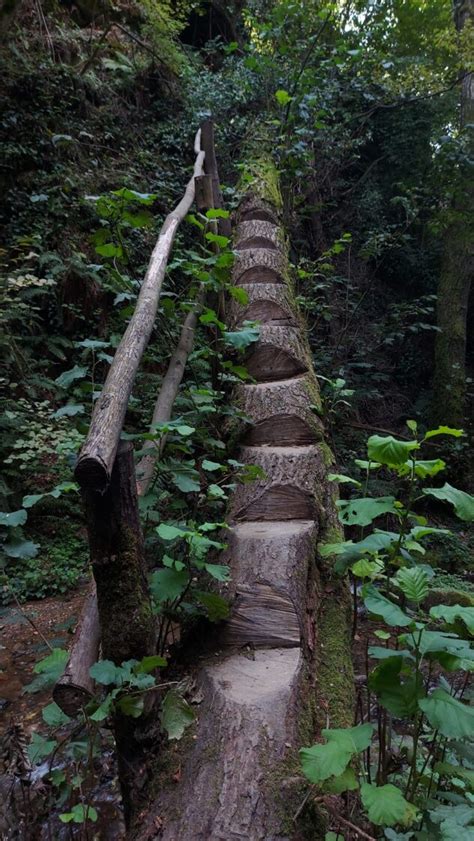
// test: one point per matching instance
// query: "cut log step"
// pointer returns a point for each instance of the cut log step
(259, 265)
(248, 719)
(267, 303)
(281, 412)
(256, 210)
(291, 487)
(274, 555)
(258, 234)
(263, 618)
(280, 353)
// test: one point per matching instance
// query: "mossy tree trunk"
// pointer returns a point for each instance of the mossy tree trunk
(280, 668)
(127, 625)
(458, 265)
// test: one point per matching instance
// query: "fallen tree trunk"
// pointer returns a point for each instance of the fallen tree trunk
(267, 686)
(94, 466)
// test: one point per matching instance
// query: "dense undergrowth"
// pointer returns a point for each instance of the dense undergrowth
(97, 122)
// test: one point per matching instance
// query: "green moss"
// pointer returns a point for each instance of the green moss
(262, 178)
(334, 671)
(120, 581)
(449, 597)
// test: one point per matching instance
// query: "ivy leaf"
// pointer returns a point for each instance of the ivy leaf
(346, 781)
(13, 518)
(21, 549)
(399, 698)
(216, 607)
(218, 571)
(105, 672)
(386, 805)
(185, 477)
(387, 450)
(414, 583)
(239, 294)
(377, 604)
(449, 613)
(67, 377)
(452, 718)
(282, 97)
(54, 716)
(132, 705)
(149, 664)
(443, 430)
(217, 213)
(367, 569)
(40, 747)
(168, 584)
(362, 512)
(241, 339)
(343, 480)
(463, 502)
(210, 465)
(176, 714)
(103, 710)
(49, 669)
(320, 762)
(79, 814)
(168, 532)
(423, 468)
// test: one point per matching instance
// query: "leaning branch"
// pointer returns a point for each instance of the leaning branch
(94, 467)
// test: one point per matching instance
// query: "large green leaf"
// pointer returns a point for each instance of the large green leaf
(13, 518)
(105, 672)
(454, 821)
(54, 716)
(423, 468)
(388, 450)
(397, 696)
(451, 613)
(362, 512)
(386, 805)
(176, 714)
(168, 584)
(414, 583)
(463, 502)
(168, 532)
(40, 747)
(67, 377)
(320, 762)
(448, 715)
(49, 670)
(241, 339)
(443, 430)
(379, 605)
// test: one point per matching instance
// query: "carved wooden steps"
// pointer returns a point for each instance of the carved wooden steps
(253, 687)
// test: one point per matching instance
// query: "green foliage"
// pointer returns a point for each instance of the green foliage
(408, 680)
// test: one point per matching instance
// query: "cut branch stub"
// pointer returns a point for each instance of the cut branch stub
(259, 265)
(291, 488)
(280, 353)
(283, 412)
(258, 234)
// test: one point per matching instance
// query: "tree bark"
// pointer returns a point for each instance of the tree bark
(457, 268)
(238, 776)
(75, 687)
